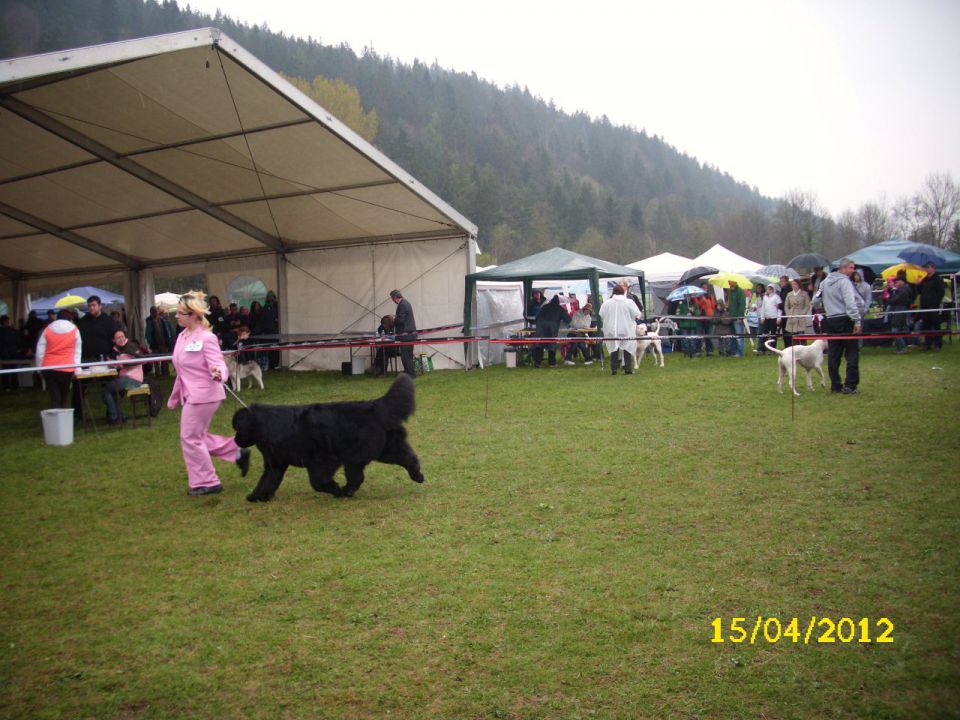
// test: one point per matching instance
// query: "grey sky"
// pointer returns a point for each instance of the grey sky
(852, 100)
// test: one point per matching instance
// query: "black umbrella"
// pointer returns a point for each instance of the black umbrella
(697, 272)
(808, 260)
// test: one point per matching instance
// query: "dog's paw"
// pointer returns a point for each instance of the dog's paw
(417, 477)
(257, 497)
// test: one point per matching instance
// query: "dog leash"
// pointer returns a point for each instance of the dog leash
(230, 390)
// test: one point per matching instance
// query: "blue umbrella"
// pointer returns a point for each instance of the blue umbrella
(921, 254)
(685, 291)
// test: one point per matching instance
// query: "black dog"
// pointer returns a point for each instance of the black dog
(324, 436)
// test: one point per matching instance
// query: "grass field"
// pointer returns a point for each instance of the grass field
(576, 539)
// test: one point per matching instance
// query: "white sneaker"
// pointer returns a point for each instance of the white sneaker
(569, 362)
(588, 362)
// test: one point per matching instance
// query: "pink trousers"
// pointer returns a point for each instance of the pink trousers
(199, 445)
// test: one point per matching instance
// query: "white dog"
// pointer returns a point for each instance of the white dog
(809, 357)
(238, 372)
(648, 341)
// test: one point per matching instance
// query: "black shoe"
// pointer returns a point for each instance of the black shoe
(835, 391)
(209, 490)
(847, 390)
(243, 462)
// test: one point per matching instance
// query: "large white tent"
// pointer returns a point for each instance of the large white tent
(183, 154)
(726, 260)
(665, 267)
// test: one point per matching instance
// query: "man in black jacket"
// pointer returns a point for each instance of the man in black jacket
(405, 330)
(549, 319)
(96, 338)
(931, 297)
(96, 331)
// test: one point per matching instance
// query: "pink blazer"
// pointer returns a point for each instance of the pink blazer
(194, 384)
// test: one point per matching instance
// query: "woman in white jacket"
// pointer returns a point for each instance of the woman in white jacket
(619, 316)
(768, 307)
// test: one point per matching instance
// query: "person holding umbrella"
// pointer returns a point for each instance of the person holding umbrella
(931, 297)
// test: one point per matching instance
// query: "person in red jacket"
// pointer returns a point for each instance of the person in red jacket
(201, 373)
(59, 345)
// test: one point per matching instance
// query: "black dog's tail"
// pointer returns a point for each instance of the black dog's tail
(398, 404)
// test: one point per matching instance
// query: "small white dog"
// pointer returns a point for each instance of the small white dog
(809, 357)
(648, 341)
(240, 371)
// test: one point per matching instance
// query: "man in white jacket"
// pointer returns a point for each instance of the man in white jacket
(619, 316)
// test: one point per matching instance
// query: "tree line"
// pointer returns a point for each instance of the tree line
(529, 175)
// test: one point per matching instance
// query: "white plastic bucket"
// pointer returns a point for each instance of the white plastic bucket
(57, 426)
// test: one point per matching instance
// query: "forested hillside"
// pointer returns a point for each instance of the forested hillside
(530, 176)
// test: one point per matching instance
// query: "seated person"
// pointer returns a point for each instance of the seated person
(130, 376)
(242, 333)
(228, 340)
(582, 319)
(380, 359)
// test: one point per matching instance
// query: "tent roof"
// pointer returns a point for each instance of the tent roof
(665, 266)
(884, 254)
(555, 263)
(184, 147)
(726, 260)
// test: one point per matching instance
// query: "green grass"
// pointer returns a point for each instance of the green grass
(575, 538)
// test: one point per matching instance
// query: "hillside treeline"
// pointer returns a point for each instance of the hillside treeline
(530, 176)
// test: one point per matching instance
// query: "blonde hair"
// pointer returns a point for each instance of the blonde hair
(196, 302)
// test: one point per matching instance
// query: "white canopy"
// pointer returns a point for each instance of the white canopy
(726, 260)
(665, 267)
(184, 154)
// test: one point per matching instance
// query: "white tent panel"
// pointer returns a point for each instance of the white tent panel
(9, 227)
(301, 220)
(283, 155)
(75, 197)
(386, 210)
(28, 149)
(179, 234)
(44, 253)
(220, 273)
(349, 291)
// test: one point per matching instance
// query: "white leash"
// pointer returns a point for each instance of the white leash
(230, 390)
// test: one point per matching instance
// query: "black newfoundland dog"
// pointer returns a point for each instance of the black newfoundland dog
(324, 436)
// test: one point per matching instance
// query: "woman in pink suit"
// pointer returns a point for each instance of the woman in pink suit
(201, 373)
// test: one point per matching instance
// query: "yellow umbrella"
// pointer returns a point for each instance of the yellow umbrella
(70, 301)
(915, 273)
(723, 279)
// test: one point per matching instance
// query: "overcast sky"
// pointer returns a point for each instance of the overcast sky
(852, 100)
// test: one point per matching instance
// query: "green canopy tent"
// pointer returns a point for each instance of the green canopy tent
(884, 254)
(554, 264)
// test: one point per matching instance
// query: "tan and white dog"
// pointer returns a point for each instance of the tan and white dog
(240, 371)
(809, 357)
(648, 341)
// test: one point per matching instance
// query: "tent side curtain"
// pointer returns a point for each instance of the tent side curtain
(346, 292)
